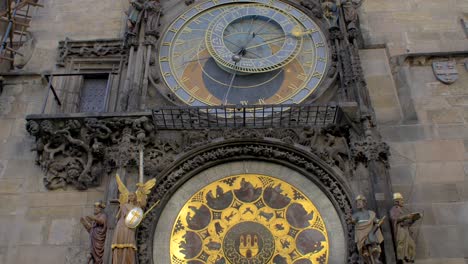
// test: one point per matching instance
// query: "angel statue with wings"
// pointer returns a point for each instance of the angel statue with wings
(129, 216)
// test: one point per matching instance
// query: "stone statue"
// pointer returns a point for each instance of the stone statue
(134, 15)
(331, 12)
(351, 14)
(152, 14)
(314, 6)
(96, 225)
(124, 242)
(367, 233)
(402, 220)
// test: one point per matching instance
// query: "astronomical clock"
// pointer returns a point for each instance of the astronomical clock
(225, 52)
(259, 52)
(252, 219)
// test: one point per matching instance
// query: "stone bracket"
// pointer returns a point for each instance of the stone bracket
(77, 150)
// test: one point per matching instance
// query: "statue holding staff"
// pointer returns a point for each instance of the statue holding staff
(129, 216)
(367, 233)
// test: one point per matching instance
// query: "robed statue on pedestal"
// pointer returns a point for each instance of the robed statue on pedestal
(402, 220)
(367, 233)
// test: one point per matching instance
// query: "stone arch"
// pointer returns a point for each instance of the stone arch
(197, 160)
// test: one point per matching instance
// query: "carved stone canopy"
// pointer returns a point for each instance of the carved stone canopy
(78, 150)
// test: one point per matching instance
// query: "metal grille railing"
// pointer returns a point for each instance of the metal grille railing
(249, 116)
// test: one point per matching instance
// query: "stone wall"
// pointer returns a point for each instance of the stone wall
(37, 225)
(77, 20)
(414, 26)
(423, 120)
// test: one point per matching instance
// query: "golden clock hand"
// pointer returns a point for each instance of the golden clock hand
(266, 42)
(297, 32)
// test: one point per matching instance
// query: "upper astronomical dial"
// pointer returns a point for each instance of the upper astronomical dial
(259, 37)
(243, 52)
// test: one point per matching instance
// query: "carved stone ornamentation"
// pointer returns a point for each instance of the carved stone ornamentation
(445, 71)
(73, 151)
(314, 6)
(218, 153)
(79, 151)
(369, 149)
(90, 48)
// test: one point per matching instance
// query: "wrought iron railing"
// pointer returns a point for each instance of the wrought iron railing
(250, 116)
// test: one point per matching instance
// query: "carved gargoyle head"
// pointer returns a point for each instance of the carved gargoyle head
(32, 127)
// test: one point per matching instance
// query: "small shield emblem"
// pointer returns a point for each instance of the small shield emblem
(134, 217)
(445, 71)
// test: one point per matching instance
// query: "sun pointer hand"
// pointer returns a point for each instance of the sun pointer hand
(298, 32)
(266, 42)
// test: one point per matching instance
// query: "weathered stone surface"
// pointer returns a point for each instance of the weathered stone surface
(445, 116)
(5, 128)
(381, 85)
(420, 22)
(3, 164)
(403, 174)
(11, 186)
(462, 188)
(62, 231)
(7, 224)
(33, 232)
(434, 193)
(404, 133)
(439, 150)
(56, 212)
(17, 148)
(40, 254)
(20, 169)
(9, 204)
(76, 255)
(442, 261)
(459, 131)
(402, 153)
(451, 213)
(440, 172)
(452, 245)
(57, 198)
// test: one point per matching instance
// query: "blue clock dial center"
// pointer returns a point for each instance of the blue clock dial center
(261, 35)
